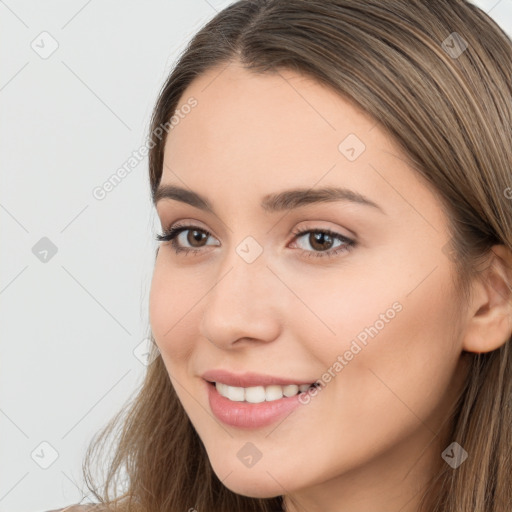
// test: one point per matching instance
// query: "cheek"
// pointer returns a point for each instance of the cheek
(344, 311)
(395, 331)
(390, 303)
(172, 314)
(401, 375)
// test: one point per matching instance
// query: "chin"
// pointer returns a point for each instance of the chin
(254, 488)
(251, 482)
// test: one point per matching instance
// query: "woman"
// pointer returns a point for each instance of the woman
(331, 300)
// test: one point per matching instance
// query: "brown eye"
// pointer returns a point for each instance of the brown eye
(196, 236)
(190, 239)
(322, 240)
(193, 236)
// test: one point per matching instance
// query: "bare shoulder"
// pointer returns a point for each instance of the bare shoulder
(89, 507)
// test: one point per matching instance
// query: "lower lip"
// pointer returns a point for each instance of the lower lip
(248, 415)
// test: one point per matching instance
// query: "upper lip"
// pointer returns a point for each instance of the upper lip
(248, 379)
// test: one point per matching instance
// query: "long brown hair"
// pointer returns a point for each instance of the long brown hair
(449, 107)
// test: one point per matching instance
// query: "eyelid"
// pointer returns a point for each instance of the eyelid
(172, 233)
(318, 225)
(296, 231)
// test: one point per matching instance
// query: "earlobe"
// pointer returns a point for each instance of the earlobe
(490, 324)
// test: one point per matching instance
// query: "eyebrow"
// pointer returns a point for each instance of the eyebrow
(281, 201)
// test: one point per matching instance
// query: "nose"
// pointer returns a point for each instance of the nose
(245, 303)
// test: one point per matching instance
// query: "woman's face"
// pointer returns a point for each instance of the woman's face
(378, 317)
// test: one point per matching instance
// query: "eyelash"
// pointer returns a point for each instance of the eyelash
(170, 234)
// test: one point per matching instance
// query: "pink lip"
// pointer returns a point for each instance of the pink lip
(249, 379)
(247, 415)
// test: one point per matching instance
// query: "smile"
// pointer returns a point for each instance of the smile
(258, 394)
(256, 406)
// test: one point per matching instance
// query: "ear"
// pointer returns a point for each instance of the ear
(490, 315)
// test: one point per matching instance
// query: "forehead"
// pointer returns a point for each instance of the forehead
(257, 117)
(253, 134)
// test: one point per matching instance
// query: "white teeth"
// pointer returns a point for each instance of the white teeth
(273, 393)
(235, 394)
(290, 390)
(255, 395)
(258, 394)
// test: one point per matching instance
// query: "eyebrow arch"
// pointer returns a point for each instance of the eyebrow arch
(285, 200)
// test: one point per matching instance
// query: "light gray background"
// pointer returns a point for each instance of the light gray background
(73, 326)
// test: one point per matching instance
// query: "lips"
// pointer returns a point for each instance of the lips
(247, 415)
(250, 379)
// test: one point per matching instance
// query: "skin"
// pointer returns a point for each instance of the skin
(371, 438)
